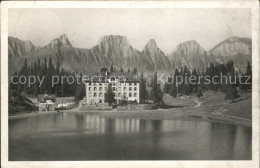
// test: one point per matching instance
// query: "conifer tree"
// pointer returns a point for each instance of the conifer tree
(110, 95)
(142, 90)
(248, 75)
(156, 93)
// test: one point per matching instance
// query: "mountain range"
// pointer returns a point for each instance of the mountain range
(116, 50)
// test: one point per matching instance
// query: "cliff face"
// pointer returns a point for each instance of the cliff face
(236, 48)
(161, 62)
(19, 48)
(116, 50)
(191, 55)
(232, 46)
(58, 42)
(110, 50)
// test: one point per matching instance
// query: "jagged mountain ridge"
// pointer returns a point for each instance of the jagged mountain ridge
(116, 50)
(110, 50)
(233, 46)
(158, 57)
(191, 55)
(236, 48)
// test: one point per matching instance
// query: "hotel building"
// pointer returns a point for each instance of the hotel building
(125, 87)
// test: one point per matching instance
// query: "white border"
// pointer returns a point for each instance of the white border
(254, 5)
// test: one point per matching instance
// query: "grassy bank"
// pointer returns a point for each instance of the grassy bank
(185, 107)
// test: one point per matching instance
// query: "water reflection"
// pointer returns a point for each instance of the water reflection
(127, 138)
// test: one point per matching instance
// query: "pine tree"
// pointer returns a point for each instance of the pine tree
(110, 96)
(248, 75)
(121, 70)
(167, 85)
(156, 93)
(142, 90)
(199, 94)
(111, 69)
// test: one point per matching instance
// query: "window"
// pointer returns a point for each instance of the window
(130, 89)
(100, 100)
(94, 84)
(119, 89)
(113, 84)
(89, 94)
(89, 89)
(112, 79)
(130, 84)
(135, 88)
(100, 84)
(95, 88)
(135, 84)
(124, 95)
(100, 95)
(90, 84)
(124, 88)
(130, 94)
(135, 94)
(119, 94)
(100, 88)
(95, 94)
(114, 89)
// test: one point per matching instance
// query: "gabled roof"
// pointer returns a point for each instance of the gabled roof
(43, 97)
(103, 77)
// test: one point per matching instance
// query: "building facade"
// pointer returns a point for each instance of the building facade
(127, 89)
(46, 102)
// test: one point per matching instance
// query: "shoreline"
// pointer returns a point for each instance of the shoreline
(159, 114)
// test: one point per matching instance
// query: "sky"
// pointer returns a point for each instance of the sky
(168, 27)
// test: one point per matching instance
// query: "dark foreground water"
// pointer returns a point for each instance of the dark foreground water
(81, 136)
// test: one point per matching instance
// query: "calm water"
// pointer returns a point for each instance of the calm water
(81, 136)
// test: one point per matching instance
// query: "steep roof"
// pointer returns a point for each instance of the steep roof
(103, 77)
(43, 97)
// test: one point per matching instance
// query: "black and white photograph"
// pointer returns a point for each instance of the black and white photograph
(130, 83)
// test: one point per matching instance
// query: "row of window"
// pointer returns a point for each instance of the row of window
(114, 89)
(100, 101)
(116, 95)
(113, 84)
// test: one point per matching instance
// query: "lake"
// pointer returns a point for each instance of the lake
(85, 136)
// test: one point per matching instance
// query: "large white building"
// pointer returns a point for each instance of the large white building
(125, 87)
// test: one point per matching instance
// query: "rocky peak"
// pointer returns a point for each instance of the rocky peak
(17, 47)
(233, 46)
(156, 54)
(232, 39)
(113, 40)
(189, 48)
(152, 49)
(28, 46)
(115, 45)
(62, 40)
(151, 44)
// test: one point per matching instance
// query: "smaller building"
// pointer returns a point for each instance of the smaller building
(46, 102)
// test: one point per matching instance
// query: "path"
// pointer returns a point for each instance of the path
(198, 103)
(79, 107)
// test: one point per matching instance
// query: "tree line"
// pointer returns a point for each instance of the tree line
(47, 69)
(228, 84)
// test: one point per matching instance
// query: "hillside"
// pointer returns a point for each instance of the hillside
(19, 104)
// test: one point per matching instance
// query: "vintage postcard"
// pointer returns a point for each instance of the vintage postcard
(130, 84)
